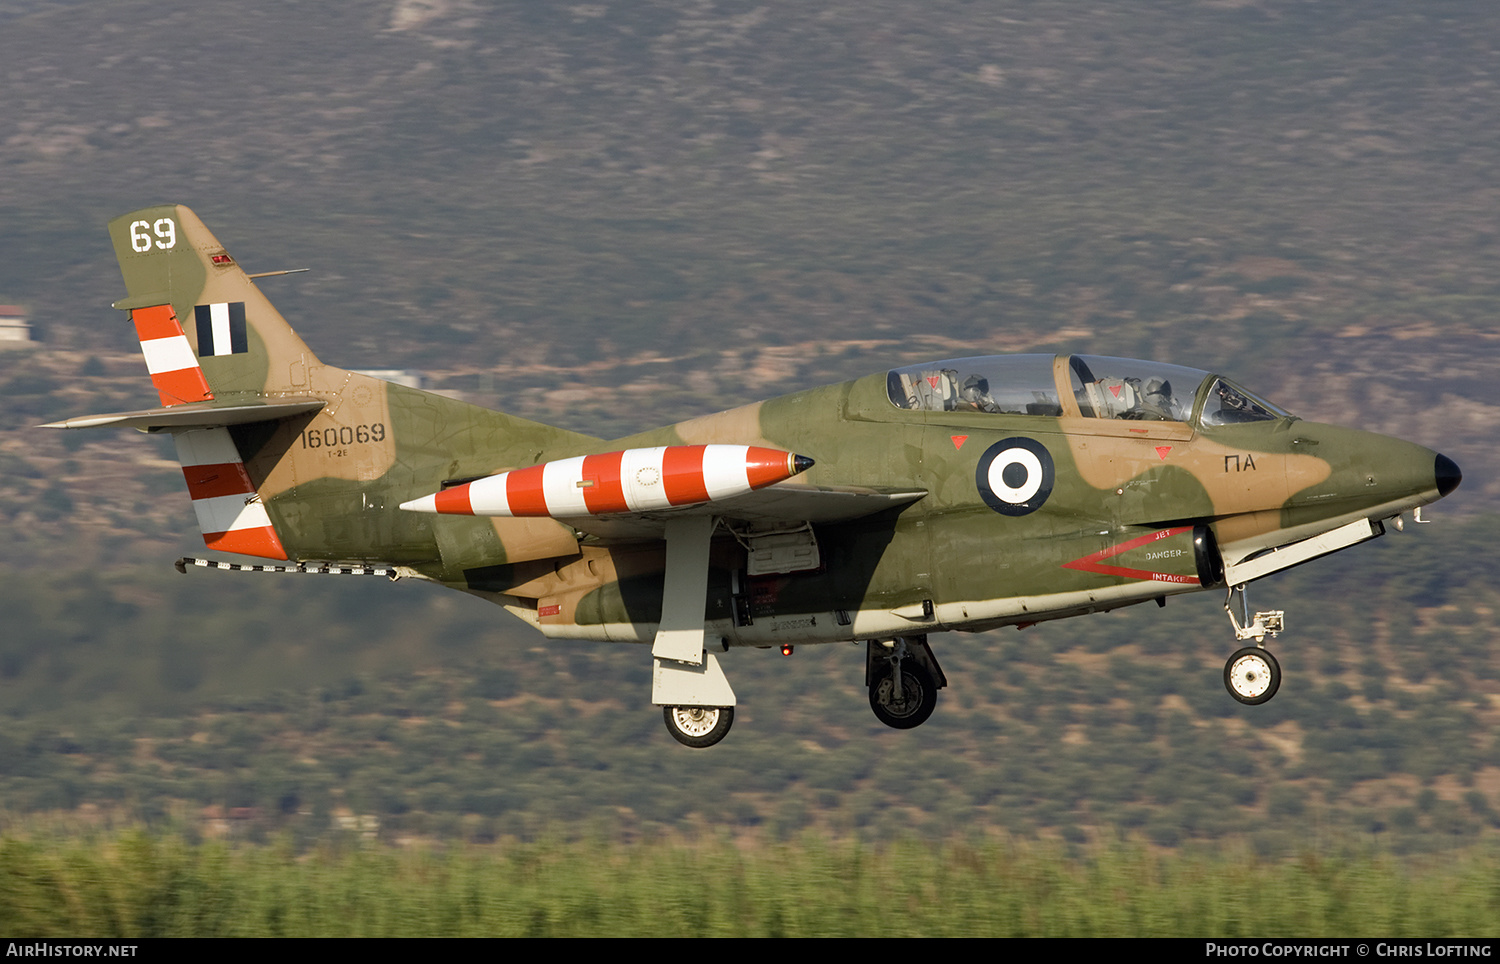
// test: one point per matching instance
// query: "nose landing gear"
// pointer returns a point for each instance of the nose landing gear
(1252, 675)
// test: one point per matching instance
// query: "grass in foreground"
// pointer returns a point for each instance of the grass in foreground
(136, 884)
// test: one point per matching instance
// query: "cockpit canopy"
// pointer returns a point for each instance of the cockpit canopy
(1088, 386)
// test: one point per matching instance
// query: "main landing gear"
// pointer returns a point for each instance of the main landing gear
(1252, 674)
(698, 726)
(904, 678)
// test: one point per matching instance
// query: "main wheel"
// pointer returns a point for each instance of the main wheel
(698, 726)
(1252, 675)
(918, 697)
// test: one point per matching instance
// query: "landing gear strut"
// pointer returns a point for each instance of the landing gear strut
(904, 678)
(698, 726)
(1252, 675)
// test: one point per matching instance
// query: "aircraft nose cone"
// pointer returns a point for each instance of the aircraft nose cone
(1448, 475)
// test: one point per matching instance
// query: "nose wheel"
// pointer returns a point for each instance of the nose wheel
(1252, 675)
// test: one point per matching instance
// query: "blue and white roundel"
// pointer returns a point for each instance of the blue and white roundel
(1015, 476)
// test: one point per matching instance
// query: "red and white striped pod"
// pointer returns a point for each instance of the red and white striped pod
(169, 358)
(635, 480)
(230, 514)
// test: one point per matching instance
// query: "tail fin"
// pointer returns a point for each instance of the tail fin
(286, 457)
(206, 330)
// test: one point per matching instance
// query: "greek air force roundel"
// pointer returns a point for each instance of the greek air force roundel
(1015, 476)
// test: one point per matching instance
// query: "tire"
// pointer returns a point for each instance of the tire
(919, 697)
(1252, 675)
(698, 726)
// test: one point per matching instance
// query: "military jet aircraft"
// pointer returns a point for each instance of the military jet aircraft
(961, 495)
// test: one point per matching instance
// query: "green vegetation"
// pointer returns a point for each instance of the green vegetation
(135, 884)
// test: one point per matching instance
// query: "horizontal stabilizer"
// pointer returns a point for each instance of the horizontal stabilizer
(195, 415)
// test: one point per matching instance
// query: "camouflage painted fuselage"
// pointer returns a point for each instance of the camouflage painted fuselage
(1137, 510)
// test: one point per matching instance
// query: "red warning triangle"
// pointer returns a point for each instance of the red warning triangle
(959, 440)
(1115, 389)
(1162, 451)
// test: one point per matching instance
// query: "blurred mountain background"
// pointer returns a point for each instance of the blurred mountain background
(616, 215)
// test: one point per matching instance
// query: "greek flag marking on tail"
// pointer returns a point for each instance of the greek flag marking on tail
(169, 359)
(221, 329)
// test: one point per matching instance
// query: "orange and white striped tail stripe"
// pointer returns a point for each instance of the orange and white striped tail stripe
(230, 513)
(634, 480)
(169, 358)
